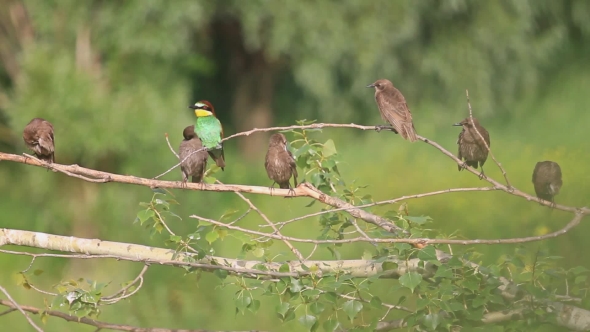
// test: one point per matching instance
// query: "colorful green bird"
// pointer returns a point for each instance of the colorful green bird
(209, 130)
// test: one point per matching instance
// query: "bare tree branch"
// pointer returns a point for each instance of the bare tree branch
(12, 304)
(145, 254)
(96, 323)
(485, 143)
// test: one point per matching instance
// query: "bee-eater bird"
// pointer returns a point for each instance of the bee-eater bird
(280, 164)
(393, 108)
(547, 180)
(472, 148)
(192, 163)
(38, 136)
(209, 130)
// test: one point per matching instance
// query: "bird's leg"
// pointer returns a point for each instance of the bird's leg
(378, 128)
(481, 175)
(183, 183)
(272, 187)
(464, 165)
(291, 192)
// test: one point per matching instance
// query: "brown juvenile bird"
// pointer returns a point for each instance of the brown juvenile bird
(547, 180)
(196, 163)
(38, 136)
(280, 164)
(471, 146)
(393, 108)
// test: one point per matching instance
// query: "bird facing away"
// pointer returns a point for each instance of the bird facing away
(192, 164)
(393, 108)
(38, 136)
(280, 164)
(547, 180)
(472, 148)
(209, 130)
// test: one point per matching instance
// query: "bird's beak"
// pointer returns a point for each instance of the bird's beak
(457, 124)
(200, 113)
(192, 106)
(371, 85)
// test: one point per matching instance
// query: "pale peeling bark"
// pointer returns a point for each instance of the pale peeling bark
(568, 316)
(134, 252)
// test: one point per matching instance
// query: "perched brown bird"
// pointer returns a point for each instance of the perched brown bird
(280, 164)
(547, 180)
(192, 164)
(38, 136)
(393, 108)
(472, 148)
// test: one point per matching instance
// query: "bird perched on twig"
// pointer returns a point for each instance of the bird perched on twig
(38, 136)
(192, 163)
(210, 131)
(472, 148)
(393, 108)
(280, 164)
(547, 180)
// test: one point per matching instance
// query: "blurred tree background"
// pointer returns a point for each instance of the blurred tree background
(114, 76)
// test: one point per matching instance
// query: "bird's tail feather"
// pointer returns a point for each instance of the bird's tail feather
(408, 132)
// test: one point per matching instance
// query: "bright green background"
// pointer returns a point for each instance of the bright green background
(524, 63)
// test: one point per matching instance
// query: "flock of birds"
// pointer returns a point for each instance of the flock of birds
(204, 139)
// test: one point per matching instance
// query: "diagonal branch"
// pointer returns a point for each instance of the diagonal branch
(99, 324)
(12, 304)
(303, 190)
(485, 143)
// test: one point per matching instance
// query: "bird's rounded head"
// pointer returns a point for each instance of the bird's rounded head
(467, 123)
(189, 132)
(203, 108)
(278, 139)
(381, 84)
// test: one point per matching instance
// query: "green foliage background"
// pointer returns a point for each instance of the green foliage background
(524, 63)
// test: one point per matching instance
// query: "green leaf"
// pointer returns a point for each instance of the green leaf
(410, 280)
(329, 148)
(330, 325)
(221, 274)
(308, 321)
(418, 220)
(317, 308)
(162, 202)
(285, 312)
(431, 321)
(38, 272)
(159, 191)
(242, 302)
(212, 236)
(386, 266)
(254, 306)
(376, 302)
(295, 286)
(427, 253)
(443, 271)
(258, 252)
(144, 215)
(175, 238)
(352, 308)
(479, 301)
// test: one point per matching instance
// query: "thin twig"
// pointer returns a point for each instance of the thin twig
(421, 241)
(270, 223)
(121, 293)
(12, 303)
(87, 321)
(486, 143)
(384, 202)
(170, 146)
